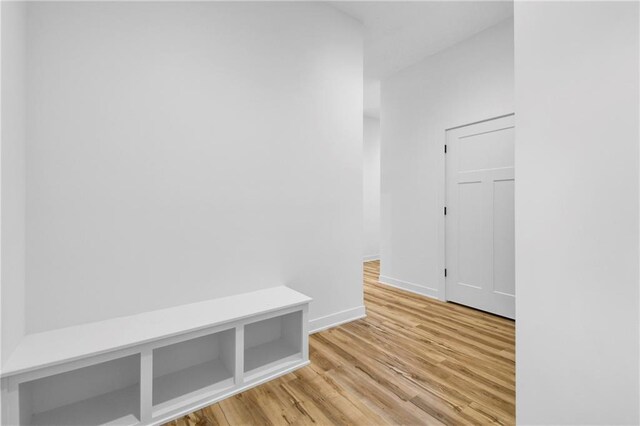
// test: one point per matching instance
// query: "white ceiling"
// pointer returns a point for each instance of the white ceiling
(398, 34)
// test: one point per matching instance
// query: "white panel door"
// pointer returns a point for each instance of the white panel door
(480, 243)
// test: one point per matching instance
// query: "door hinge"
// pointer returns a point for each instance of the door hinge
(445, 149)
(445, 210)
(445, 272)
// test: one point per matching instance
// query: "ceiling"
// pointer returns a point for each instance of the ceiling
(398, 34)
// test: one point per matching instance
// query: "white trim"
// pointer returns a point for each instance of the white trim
(480, 121)
(411, 287)
(371, 257)
(333, 320)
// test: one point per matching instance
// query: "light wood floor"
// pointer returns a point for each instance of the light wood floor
(412, 360)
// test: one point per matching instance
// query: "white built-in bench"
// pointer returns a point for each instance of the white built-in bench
(156, 366)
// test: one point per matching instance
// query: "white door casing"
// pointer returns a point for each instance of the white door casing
(480, 244)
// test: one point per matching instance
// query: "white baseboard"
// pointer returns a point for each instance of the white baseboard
(371, 257)
(329, 321)
(413, 288)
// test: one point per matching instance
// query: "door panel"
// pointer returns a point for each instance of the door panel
(488, 150)
(470, 240)
(480, 241)
(504, 273)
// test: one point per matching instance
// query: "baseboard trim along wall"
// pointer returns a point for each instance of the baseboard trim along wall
(371, 257)
(333, 320)
(413, 288)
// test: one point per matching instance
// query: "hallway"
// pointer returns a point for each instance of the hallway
(412, 360)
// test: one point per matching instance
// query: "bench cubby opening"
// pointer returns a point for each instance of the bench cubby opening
(108, 392)
(271, 342)
(193, 369)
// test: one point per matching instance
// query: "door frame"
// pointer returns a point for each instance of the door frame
(442, 199)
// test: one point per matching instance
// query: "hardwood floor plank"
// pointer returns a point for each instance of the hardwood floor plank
(208, 416)
(412, 361)
(383, 401)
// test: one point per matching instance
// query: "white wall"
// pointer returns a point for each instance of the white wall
(371, 183)
(469, 82)
(577, 188)
(371, 98)
(12, 152)
(185, 151)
